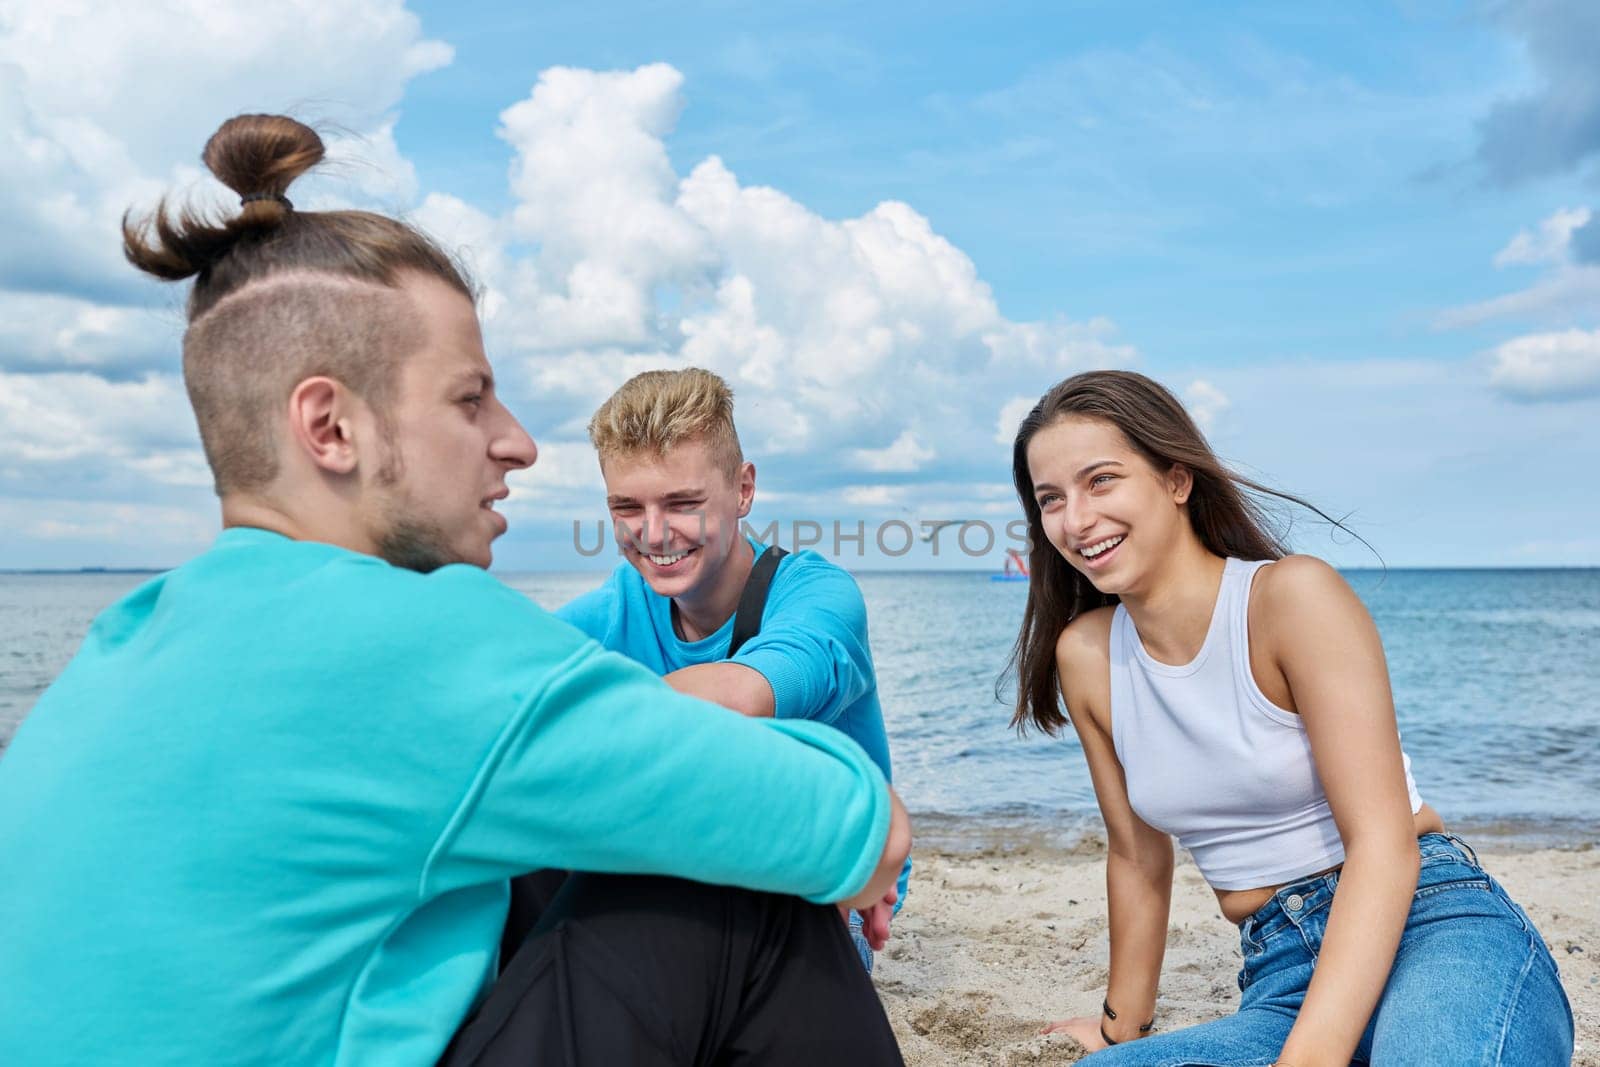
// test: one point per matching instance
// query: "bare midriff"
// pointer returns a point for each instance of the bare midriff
(1239, 904)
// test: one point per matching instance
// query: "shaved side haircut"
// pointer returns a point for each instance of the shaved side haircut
(281, 295)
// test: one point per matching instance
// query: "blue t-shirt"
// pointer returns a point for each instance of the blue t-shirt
(812, 647)
(271, 807)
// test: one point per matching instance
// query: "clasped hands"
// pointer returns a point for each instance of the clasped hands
(874, 920)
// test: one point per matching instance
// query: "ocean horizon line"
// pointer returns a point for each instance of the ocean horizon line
(92, 569)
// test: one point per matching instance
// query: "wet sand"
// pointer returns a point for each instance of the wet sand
(995, 940)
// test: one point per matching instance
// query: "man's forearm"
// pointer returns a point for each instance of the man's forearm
(733, 685)
(896, 847)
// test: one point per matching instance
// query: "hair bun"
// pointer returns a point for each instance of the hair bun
(258, 157)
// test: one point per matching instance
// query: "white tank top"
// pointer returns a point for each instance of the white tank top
(1209, 759)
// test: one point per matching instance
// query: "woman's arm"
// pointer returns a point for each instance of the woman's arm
(1318, 634)
(1139, 858)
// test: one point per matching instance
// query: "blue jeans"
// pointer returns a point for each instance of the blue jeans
(859, 939)
(1472, 982)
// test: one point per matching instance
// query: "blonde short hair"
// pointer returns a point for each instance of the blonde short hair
(660, 409)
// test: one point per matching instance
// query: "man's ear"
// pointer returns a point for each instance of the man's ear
(1180, 481)
(321, 424)
(747, 488)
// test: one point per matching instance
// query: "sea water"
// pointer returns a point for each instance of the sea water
(1496, 677)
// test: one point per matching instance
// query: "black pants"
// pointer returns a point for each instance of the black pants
(634, 970)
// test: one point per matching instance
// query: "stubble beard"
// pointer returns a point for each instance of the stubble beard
(406, 539)
(416, 545)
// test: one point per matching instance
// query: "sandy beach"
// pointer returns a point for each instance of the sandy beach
(995, 940)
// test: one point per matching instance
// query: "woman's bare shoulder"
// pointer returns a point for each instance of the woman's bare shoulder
(1300, 606)
(1087, 638)
(1296, 583)
(1083, 663)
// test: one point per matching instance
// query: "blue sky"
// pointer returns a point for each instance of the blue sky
(1358, 238)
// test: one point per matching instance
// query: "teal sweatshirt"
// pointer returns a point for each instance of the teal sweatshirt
(268, 812)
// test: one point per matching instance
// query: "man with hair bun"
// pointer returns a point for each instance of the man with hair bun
(717, 613)
(269, 812)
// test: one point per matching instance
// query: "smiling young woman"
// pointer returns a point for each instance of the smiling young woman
(1176, 633)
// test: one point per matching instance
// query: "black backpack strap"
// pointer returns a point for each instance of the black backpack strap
(753, 601)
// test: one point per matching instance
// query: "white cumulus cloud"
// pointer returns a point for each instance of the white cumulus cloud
(1011, 415)
(107, 105)
(1548, 366)
(907, 453)
(1547, 244)
(1206, 403)
(837, 334)
(831, 331)
(81, 417)
(1569, 286)
(95, 523)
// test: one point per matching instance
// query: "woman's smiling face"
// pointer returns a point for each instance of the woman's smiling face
(1110, 514)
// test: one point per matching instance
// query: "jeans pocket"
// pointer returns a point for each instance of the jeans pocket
(1445, 848)
(1450, 871)
(1480, 884)
(1472, 900)
(1435, 859)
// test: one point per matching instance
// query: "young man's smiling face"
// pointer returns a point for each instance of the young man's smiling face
(677, 516)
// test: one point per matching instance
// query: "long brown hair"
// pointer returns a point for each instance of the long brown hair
(1223, 509)
(331, 308)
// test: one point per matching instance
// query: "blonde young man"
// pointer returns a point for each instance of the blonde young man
(677, 487)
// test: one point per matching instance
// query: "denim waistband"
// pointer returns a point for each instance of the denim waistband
(1297, 900)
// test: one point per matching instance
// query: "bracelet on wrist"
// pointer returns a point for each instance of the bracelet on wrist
(1108, 1013)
